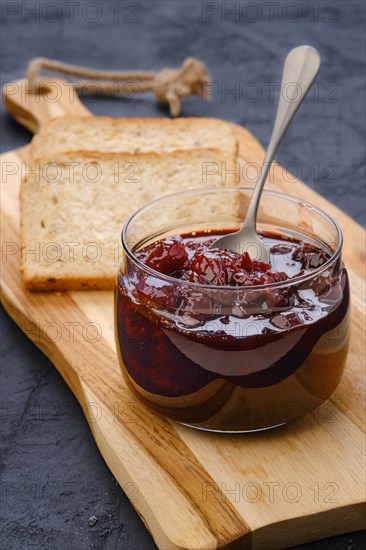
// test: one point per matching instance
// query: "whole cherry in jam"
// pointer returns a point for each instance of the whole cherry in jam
(214, 267)
(168, 255)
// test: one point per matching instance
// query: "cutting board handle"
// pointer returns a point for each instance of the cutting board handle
(53, 98)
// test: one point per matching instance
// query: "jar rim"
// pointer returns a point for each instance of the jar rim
(200, 190)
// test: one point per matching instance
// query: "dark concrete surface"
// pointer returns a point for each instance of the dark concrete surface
(56, 491)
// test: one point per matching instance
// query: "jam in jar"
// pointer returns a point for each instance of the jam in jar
(220, 341)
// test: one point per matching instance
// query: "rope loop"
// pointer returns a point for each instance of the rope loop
(169, 85)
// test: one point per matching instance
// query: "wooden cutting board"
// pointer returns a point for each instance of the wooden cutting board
(196, 490)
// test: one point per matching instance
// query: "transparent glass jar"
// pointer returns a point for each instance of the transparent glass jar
(238, 361)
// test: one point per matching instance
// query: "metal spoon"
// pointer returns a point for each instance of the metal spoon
(301, 67)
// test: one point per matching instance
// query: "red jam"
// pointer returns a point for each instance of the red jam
(241, 357)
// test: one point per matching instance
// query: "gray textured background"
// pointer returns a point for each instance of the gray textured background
(53, 478)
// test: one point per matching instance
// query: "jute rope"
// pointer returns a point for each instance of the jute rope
(169, 85)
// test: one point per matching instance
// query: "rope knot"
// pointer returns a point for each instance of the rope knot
(170, 85)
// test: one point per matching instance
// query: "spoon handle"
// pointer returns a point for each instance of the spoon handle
(301, 67)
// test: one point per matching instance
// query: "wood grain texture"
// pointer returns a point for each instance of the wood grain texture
(196, 490)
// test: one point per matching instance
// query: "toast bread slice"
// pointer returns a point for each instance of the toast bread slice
(73, 206)
(133, 135)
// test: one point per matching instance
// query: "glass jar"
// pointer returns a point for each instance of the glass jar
(240, 360)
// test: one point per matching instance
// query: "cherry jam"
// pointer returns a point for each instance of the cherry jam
(219, 341)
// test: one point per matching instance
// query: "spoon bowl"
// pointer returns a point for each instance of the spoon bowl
(244, 240)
